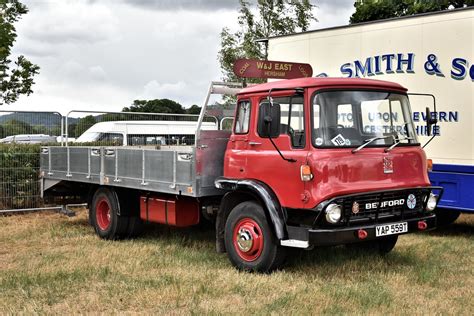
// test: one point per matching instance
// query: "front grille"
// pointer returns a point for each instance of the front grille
(383, 206)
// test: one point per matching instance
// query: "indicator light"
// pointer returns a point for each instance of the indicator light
(306, 174)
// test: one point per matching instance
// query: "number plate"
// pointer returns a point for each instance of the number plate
(391, 229)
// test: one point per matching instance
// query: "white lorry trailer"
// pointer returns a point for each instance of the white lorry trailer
(431, 53)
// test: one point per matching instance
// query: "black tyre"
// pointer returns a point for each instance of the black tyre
(135, 227)
(445, 217)
(250, 243)
(130, 207)
(382, 246)
(104, 215)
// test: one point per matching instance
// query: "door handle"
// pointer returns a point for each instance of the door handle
(254, 143)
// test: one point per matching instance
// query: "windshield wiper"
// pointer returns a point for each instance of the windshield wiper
(370, 140)
(398, 141)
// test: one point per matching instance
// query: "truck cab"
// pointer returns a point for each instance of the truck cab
(322, 161)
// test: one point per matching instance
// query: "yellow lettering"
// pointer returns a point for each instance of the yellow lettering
(244, 68)
(303, 72)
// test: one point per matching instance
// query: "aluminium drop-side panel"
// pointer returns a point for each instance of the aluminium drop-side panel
(79, 160)
(179, 170)
(58, 158)
(159, 165)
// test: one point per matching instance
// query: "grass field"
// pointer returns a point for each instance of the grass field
(50, 263)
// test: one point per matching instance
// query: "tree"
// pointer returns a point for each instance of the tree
(194, 109)
(16, 127)
(19, 80)
(84, 124)
(155, 106)
(272, 18)
(371, 10)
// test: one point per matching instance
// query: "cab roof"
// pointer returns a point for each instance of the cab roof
(324, 83)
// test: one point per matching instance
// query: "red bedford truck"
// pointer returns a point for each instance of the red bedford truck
(310, 162)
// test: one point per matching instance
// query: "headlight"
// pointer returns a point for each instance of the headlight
(431, 203)
(333, 213)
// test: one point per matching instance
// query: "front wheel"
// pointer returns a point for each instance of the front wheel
(250, 243)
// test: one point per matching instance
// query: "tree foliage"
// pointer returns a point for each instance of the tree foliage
(18, 127)
(83, 124)
(272, 18)
(19, 187)
(371, 10)
(161, 106)
(19, 79)
(155, 106)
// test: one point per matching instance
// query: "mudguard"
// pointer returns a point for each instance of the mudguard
(261, 190)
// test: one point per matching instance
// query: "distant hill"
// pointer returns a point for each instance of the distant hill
(34, 119)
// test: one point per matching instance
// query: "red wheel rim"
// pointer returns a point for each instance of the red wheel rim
(248, 239)
(103, 213)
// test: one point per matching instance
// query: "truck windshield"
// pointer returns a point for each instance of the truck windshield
(352, 118)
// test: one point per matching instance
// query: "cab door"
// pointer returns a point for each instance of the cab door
(235, 160)
(281, 171)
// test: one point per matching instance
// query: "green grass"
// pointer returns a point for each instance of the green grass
(50, 263)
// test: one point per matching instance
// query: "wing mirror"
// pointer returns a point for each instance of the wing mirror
(430, 121)
(269, 120)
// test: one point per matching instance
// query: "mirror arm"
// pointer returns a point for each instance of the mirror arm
(270, 99)
(274, 145)
(435, 123)
(278, 150)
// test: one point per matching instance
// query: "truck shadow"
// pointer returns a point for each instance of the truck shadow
(189, 236)
(323, 261)
(456, 229)
(338, 262)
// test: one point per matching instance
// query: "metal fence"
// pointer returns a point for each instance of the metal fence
(21, 135)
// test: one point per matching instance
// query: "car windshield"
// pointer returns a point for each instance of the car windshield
(353, 118)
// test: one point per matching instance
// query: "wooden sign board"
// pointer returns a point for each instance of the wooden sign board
(254, 68)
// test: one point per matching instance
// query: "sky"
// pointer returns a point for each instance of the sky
(103, 54)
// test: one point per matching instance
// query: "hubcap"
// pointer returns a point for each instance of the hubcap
(248, 239)
(244, 240)
(103, 214)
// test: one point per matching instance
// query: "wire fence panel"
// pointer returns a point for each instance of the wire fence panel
(21, 137)
(23, 133)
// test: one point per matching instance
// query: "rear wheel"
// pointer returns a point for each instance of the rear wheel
(249, 241)
(445, 217)
(104, 215)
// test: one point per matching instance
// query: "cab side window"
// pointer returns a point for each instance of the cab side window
(292, 119)
(242, 120)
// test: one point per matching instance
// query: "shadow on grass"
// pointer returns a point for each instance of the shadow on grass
(456, 229)
(339, 260)
(195, 233)
(353, 258)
